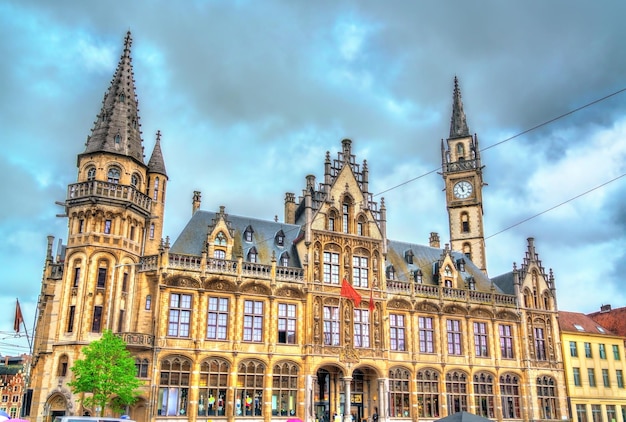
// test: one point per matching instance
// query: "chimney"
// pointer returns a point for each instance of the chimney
(605, 308)
(434, 240)
(197, 199)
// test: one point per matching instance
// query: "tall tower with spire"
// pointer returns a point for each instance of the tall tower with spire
(115, 211)
(461, 169)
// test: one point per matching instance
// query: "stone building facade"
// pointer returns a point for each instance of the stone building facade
(315, 317)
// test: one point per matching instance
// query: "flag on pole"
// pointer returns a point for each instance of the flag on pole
(372, 298)
(19, 318)
(348, 291)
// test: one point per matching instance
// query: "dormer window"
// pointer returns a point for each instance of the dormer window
(91, 174)
(284, 260)
(471, 283)
(391, 273)
(447, 271)
(418, 276)
(253, 255)
(280, 238)
(408, 256)
(114, 175)
(220, 239)
(247, 235)
(460, 264)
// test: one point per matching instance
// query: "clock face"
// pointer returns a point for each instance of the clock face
(463, 189)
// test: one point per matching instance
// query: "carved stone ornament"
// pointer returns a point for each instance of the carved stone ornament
(348, 355)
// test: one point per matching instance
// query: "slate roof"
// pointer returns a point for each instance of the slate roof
(505, 283)
(191, 239)
(576, 322)
(613, 319)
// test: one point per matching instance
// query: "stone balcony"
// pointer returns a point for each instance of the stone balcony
(120, 194)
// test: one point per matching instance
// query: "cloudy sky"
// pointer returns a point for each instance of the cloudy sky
(249, 95)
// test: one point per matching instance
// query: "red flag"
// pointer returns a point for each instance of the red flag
(348, 291)
(19, 318)
(372, 299)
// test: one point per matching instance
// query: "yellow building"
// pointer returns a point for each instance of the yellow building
(319, 314)
(595, 366)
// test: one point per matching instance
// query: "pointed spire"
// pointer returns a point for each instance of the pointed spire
(117, 126)
(156, 163)
(458, 124)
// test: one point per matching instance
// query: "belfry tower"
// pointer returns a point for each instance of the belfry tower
(463, 178)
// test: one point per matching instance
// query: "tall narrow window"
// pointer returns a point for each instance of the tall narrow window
(331, 325)
(484, 396)
(480, 339)
(619, 376)
(134, 180)
(456, 387)
(96, 322)
(120, 322)
(107, 226)
(426, 334)
(573, 349)
(576, 376)
(397, 332)
(174, 382)
(249, 391)
(287, 322)
(63, 363)
(125, 283)
(217, 319)
(151, 234)
(546, 392)
(81, 226)
(331, 267)
(588, 350)
(360, 271)
(506, 341)
(591, 374)
(70, 318)
(155, 193)
(602, 351)
(428, 393)
(76, 277)
(102, 275)
(148, 302)
(616, 352)
(345, 221)
(214, 375)
(581, 412)
(510, 396)
(361, 328)
(285, 389)
(179, 315)
(399, 393)
(540, 344)
(253, 321)
(465, 225)
(605, 377)
(91, 174)
(454, 337)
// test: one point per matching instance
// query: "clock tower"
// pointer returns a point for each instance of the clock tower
(463, 178)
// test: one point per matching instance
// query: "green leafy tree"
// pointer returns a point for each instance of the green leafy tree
(106, 374)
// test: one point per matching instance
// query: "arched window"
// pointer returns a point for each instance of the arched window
(213, 386)
(456, 387)
(174, 381)
(113, 175)
(220, 239)
(103, 268)
(249, 391)
(155, 193)
(510, 396)
(546, 392)
(460, 150)
(280, 238)
(361, 226)
(141, 365)
(467, 250)
(428, 393)
(391, 273)
(284, 260)
(247, 235)
(253, 256)
(345, 218)
(63, 365)
(399, 393)
(148, 302)
(118, 139)
(134, 180)
(332, 218)
(465, 225)
(484, 396)
(122, 98)
(285, 389)
(91, 174)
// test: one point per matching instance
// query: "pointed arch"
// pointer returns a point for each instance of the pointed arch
(428, 393)
(214, 373)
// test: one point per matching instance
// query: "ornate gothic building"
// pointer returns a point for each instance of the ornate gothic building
(318, 315)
